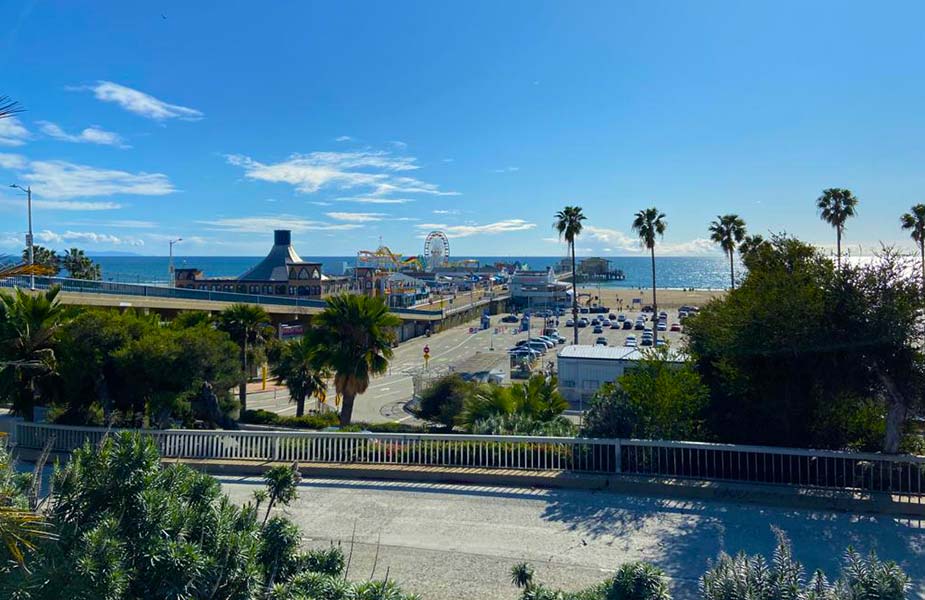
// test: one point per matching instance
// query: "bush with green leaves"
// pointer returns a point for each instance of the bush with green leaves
(443, 401)
(537, 399)
(128, 527)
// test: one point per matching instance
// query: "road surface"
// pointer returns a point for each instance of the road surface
(387, 394)
(447, 542)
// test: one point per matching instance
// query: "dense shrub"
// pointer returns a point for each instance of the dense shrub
(314, 421)
(443, 401)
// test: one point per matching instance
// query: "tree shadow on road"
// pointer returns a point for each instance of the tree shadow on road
(681, 536)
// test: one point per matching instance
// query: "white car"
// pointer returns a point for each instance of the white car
(630, 341)
(662, 326)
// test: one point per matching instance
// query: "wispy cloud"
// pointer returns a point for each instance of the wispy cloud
(506, 170)
(377, 173)
(85, 237)
(61, 180)
(321, 203)
(458, 231)
(13, 132)
(265, 223)
(141, 103)
(375, 200)
(90, 135)
(602, 239)
(398, 144)
(74, 205)
(446, 211)
(356, 217)
(343, 138)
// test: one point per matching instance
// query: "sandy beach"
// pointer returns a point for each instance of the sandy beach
(622, 298)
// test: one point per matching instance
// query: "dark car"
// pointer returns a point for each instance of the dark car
(601, 341)
(598, 329)
(615, 325)
(510, 319)
(639, 326)
(627, 325)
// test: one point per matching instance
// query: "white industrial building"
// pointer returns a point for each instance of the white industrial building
(583, 369)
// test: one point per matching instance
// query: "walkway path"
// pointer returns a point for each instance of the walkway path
(447, 542)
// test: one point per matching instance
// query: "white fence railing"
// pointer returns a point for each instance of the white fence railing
(900, 474)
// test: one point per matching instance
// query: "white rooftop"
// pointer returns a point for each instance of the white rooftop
(599, 352)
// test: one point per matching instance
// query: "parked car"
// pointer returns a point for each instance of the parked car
(627, 325)
(630, 341)
(662, 326)
(660, 342)
(605, 322)
(639, 326)
(646, 342)
(615, 325)
(550, 342)
(620, 317)
(601, 341)
(662, 314)
(583, 322)
(611, 316)
(598, 329)
(520, 343)
(510, 319)
(570, 323)
(538, 345)
(675, 327)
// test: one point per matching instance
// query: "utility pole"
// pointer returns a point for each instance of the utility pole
(171, 280)
(28, 191)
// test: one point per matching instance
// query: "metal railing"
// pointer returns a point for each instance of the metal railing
(84, 286)
(900, 474)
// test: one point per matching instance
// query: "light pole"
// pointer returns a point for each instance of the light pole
(170, 280)
(28, 191)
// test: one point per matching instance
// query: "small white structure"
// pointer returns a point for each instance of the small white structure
(584, 369)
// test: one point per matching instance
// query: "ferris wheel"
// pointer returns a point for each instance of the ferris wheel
(436, 250)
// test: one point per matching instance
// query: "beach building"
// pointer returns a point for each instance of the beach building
(534, 289)
(281, 273)
(583, 369)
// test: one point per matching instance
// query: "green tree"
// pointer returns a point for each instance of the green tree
(45, 257)
(355, 334)
(247, 325)
(444, 400)
(522, 575)
(536, 400)
(728, 231)
(569, 225)
(300, 368)
(836, 206)
(282, 484)
(658, 398)
(21, 528)
(914, 223)
(648, 224)
(29, 325)
(79, 265)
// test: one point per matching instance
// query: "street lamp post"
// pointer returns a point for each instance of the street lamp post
(28, 191)
(170, 280)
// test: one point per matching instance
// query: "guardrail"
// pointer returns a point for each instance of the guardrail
(83, 286)
(901, 474)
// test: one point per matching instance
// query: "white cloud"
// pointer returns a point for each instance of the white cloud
(343, 138)
(458, 231)
(75, 205)
(613, 238)
(142, 104)
(263, 224)
(12, 132)
(400, 145)
(90, 135)
(506, 170)
(61, 180)
(85, 237)
(694, 247)
(321, 203)
(356, 217)
(12, 161)
(375, 171)
(374, 200)
(607, 240)
(448, 211)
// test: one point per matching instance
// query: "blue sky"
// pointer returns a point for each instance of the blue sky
(350, 121)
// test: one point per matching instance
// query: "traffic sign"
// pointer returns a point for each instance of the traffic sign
(426, 349)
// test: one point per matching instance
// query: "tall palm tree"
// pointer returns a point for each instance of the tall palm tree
(568, 224)
(29, 325)
(648, 224)
(914, 222)
(727, 231)
(751, 243)
(299, 368)
(355, 333)
(79, 265)
(836, 206)
(245, 323)
(9, 107)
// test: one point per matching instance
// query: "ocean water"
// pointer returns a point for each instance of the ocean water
(702, 272)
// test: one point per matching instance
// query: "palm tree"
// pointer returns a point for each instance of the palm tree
(835, 206)
(727, 231)
(299, 369)
(245, 323)
(79, 265)
(28, 327)
(522, 575)
(568, 224)
(750, 244)
(355, 334)
(9, 107)
(914, 222)
(648, 224)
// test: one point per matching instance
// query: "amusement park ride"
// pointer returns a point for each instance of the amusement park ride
(436, 255)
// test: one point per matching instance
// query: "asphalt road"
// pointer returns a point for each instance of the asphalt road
(447, 542)
(387, 394)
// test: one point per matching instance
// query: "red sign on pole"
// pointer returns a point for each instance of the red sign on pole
(426, 349)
